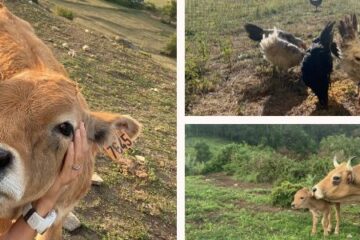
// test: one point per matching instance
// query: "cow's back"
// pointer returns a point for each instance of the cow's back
(21, 49)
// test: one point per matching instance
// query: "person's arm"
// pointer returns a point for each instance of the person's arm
(74, 157)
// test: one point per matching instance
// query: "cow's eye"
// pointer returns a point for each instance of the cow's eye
(302, 198)
(65, 129)
(336, 180)
(357, 59)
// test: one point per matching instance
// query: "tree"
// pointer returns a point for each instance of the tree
(203, 153)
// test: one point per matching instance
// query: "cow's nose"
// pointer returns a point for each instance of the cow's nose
(293, 205)
(5, 159)
(314, 189)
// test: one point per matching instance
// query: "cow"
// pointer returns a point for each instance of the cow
(40, 107)
(342, 184)
(304, 199)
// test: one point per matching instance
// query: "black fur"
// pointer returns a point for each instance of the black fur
(317, 65)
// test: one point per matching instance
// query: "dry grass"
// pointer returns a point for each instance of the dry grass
(250, 87)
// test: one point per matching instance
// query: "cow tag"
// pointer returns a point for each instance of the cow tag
(120, 143)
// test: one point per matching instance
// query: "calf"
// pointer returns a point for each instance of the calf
(304, 199)
(40, 107)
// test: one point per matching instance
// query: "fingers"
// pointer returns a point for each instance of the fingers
(78, 146)
(69, 158)
(85, 146)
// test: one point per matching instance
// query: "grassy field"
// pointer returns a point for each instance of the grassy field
(139, 27)
(130, 81)
(218, 207)
(226, 73)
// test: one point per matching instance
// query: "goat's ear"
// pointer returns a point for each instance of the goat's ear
(102, 127)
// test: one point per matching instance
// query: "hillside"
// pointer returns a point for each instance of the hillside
(227, 75)
(137, 201)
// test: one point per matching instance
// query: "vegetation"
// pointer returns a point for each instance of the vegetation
(242, 82)
(218, 209)
(64, 12)
(171, 47)
(251, 173)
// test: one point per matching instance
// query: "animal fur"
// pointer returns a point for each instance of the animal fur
(279, 52)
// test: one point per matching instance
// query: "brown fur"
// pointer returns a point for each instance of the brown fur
(347, 190)
(34, 92)
(304, 199)
(350, 47)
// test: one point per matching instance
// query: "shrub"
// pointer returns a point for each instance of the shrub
(171, 47)
(193, 167)
(139, 4)
(169, 11)
(282, 195)
(203, 153)
(64, 12)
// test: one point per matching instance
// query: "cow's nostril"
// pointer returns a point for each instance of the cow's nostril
(5, 159)
(314, 189)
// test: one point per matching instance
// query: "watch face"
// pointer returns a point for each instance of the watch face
(33, 221)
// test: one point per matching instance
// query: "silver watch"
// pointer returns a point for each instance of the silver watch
(35, 221)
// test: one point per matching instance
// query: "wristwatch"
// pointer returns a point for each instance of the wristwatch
(35, 221)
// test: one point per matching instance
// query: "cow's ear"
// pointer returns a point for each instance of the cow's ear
(350, 178)
(102, 127)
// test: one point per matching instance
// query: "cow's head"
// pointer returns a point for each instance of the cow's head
(301, 198)
(339, 184)
(39, 112)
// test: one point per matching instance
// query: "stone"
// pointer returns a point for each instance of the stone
(96, 179)
(71, 222)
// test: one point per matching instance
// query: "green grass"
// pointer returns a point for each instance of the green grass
(214, 212)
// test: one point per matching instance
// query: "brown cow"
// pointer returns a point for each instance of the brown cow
(39, 109)
(342, 184)
(304, 199)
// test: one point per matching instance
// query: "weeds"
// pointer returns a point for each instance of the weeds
(64, 12)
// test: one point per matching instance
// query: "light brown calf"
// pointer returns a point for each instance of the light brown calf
(39, 109)
(304, 199)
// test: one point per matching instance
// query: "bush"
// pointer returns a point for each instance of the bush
(169, 10)
(283, 194)
(171, 47)
(64, 12)
(138, 4)
(203, 153)
(193, 167)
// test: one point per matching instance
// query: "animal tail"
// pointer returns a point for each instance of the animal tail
(326, 36)
(254, 32)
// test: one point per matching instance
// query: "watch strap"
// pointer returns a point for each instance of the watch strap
(35, 221)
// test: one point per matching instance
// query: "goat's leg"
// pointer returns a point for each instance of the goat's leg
(315, 220)
(53, 233)
(337, 214)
